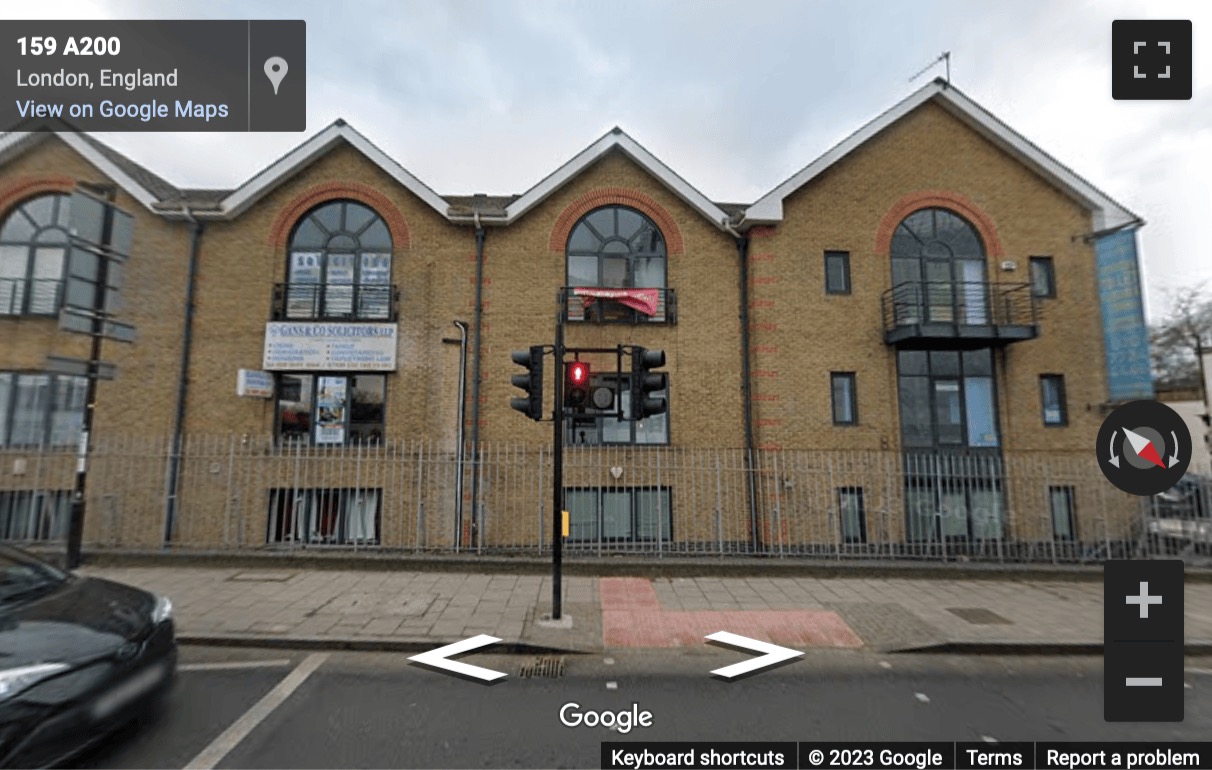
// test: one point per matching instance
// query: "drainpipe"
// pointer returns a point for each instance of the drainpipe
(475, 383)
(460, 457)
(742, 250)
(187, 338)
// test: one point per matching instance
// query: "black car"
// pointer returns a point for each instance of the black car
(79, 657)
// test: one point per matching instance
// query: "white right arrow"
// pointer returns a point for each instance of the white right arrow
(773, 654)
(439, 658)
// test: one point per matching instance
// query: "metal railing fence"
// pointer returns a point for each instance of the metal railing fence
(243, 492)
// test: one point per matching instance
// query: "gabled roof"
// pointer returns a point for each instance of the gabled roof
(138, 182)
(616, 140)
(1106, 212)
(339, 131)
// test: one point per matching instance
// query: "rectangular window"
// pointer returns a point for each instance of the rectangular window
(837, 272)
(852, 514)
(35, 515)
(331, 410)
(845, 402)
(324, 516)
(1064, 519)
(947, 398)
(619, 515)
(41, 409)
(594, 430)
(1052, 398)
(1043, 277)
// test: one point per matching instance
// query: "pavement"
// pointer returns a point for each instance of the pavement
(417, 610)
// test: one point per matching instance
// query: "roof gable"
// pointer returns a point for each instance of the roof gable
(244, 196)
(616, 140)
(141, 184)
(1107, 213)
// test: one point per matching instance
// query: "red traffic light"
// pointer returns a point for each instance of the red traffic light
(578, 373)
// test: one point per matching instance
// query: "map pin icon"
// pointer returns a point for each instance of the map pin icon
(275, 70)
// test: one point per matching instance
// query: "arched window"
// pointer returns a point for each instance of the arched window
(340, 264)
(33, 250)
(616, 247)
(938, 268)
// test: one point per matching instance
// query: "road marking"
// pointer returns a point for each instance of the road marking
(988, 739)
(885, 664)
(221, 746)
(922, 697)
(440, 658)
(1206, 671)
(608, 661)
(612, 685)
(234, 664)
(772, 654)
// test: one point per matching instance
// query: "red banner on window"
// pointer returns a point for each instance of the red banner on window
(647, 301)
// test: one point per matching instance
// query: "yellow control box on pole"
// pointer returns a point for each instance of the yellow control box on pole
(564, 526)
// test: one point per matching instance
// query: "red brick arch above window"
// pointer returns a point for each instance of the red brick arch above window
(615, 196)
(22, 188)
(941, 199)
(356, 191)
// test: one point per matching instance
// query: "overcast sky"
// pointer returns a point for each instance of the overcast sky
(735, 96)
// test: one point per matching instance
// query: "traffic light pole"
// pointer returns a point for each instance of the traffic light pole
(557, 454)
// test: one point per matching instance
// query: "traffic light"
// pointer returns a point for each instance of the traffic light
(532, 382)
(645, 382)
(576, 385)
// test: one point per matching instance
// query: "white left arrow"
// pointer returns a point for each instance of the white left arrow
(773, 654)
(440, 658)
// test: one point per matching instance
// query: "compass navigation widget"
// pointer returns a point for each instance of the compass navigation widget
(1144, 447)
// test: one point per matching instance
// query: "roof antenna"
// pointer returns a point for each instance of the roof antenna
(945, 56)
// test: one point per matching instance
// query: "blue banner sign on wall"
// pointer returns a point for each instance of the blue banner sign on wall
(1125, 335)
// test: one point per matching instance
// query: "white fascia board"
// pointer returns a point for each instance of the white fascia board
(769, 208)
(1105, 212)
(97, 160)
(269, 178)
(649, 162)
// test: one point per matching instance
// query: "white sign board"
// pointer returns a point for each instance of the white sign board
(302, 347)
(254, 384)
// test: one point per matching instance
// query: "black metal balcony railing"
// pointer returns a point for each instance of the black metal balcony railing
(602, 310)
(30, 296)
(977, 310)
(335, 302)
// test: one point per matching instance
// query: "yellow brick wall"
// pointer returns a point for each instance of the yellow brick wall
(143, 395)
(239, 264)
(801, 334)
(702, 349)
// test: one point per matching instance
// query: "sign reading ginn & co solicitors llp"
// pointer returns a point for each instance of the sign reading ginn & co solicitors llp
(362, 347)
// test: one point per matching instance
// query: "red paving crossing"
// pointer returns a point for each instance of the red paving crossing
(632, 617)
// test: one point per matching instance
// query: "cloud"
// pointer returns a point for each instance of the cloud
(734, 95)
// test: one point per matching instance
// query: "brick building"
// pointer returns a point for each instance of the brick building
(905, 348)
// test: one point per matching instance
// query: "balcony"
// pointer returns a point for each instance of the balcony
(958, 314)
(335, 302)
(627, 306)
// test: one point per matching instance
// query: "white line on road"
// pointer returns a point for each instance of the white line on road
(923, 697)
(234, 664)
(612, 685)
(213, 754)
(1200, 671)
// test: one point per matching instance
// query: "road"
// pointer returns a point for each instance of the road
(355, 710)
